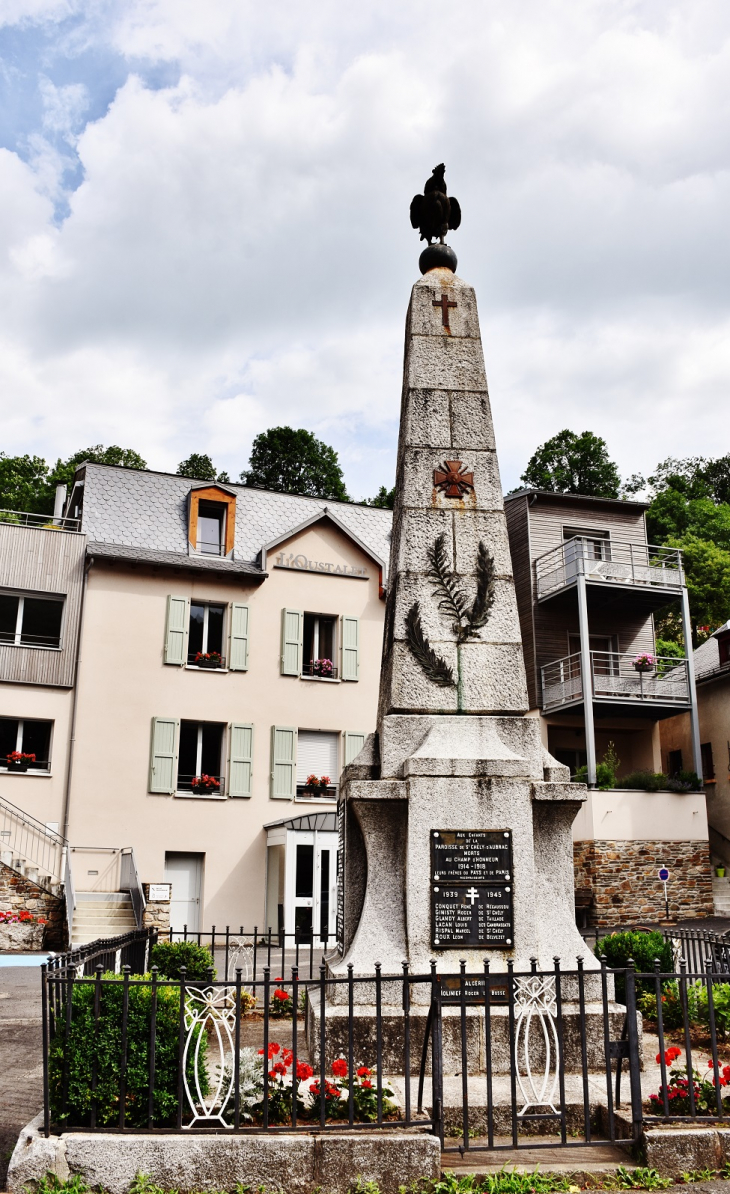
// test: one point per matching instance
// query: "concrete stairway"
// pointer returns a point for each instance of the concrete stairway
(721, 895)
(101, 914)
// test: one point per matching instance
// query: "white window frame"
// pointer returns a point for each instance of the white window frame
(221, 794)
(17, 642)
(223, 525)
(226, 615)
(19, 746)
(334, 618)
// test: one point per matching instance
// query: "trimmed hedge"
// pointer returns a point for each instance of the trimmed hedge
(643, 947)
(101, 1046)
(169, 956)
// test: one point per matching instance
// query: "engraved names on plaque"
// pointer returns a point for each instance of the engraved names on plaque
(471, 888)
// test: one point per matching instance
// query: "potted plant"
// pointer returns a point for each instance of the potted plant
(316, 785)
(720, 872)
(205, 785)
(324, 668)
(208, 659)
(18, 761)
(644, 662)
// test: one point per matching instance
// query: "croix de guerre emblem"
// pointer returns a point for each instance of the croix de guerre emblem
(452, 479)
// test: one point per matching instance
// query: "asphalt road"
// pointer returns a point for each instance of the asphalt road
(21, 1070)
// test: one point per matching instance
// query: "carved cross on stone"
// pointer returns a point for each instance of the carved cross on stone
(452, 479)
(444, 303)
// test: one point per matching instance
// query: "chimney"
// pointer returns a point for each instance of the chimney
(60, 501)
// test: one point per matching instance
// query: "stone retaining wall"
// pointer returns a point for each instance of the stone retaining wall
(18, 894)
(626, 890)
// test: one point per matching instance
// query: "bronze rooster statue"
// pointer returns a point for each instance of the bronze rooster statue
(434, 212)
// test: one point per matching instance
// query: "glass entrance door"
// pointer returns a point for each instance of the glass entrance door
(311, 906)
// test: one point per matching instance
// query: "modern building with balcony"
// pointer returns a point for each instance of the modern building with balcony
(588, 586)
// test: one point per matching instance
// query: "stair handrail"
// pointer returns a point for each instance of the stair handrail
(30, 837)
(129, 881)
(69, 894)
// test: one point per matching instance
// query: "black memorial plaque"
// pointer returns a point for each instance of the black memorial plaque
(474, 989)
(471, 855)
(476, 914)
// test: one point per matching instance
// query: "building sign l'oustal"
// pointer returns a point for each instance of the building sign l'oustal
(301, 563)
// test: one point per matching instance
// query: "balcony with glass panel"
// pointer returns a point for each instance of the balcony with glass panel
(618, 684)
(653, 574)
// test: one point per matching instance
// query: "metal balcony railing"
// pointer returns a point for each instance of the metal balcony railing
(45, 522)
(608, 561)
(328, 793)
(615, 679)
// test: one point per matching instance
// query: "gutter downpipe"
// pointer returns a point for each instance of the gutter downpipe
(694, 717)
(74, 706)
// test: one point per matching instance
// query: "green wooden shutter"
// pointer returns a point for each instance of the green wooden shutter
(163, 754)
(238, 639)
(354, 743)
(176, 630)
(350, 651)
(283, 762)
(292, 639)
(240, 759)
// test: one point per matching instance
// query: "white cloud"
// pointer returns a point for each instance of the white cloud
(238, 252)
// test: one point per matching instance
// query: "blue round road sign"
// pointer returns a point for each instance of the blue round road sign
(663, 874)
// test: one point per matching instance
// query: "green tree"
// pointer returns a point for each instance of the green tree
(570, 463)
(294, 461)
(384, 499)
(63, 470)
(24, 484)
(197, 466)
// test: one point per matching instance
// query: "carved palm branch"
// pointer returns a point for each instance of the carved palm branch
(485, 594)
(453, 600)
(436, 668)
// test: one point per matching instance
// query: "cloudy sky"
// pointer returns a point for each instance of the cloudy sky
(204, 220)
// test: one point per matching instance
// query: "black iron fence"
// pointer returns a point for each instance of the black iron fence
(696, 946)
(252, 949)
(484, 1060)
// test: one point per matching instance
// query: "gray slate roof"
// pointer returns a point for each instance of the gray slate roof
(147, 512)
(707, 655)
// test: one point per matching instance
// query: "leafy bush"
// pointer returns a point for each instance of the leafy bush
(88, 1046)
(169, 956)
(697, 1005)
(647, 781)
(684, 781)
(643, 948)
(605, 770)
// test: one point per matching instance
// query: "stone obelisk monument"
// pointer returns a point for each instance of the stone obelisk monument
(456, 822)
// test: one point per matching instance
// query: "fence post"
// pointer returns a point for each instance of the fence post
(637, 1115)
(437, 1076)
(44, 1013)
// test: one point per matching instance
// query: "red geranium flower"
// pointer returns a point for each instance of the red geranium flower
(367, 1084)
(281, 995)
(364, 1072)
(339, 1067)
(304, 1071)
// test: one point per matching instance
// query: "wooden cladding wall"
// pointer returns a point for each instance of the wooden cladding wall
(538, 527)
(33, 560)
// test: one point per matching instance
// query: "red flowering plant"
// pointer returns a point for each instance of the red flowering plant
(23, 917)
(324, 668)
(316, 784)
(205, 784)
(678, 1087)
(284, 1083)
(208, 659)
(281, 1004)
(19, 759)
(364, 1094)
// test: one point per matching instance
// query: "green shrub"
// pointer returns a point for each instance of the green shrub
(88, 1046)
(643, 948)
(605, 770)
(684, 781)
(647, 781)
(169, 956)
(697, 1005)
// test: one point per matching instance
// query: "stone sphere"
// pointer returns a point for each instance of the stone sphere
(437, 257)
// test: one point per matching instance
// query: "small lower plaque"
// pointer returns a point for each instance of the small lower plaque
(479, 915)
(474, 989)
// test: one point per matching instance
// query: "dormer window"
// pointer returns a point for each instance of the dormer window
(211, 529)
(211, 520)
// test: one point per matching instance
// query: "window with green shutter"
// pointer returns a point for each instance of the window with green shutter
(354, 742)
(240, 759)
(163, 754)
(283, 762)
(350, 650)
(238, 638)
(292, 630)
(176, 630)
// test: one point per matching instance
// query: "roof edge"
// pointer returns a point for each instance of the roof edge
(576, 497)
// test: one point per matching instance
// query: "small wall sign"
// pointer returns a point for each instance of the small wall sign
(301, 563)
(159, 891)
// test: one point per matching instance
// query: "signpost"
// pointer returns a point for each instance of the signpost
(663, 874)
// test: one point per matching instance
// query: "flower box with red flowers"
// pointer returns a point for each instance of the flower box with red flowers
(316, 785)
(205, 785)
(211, 659)
(18, 761)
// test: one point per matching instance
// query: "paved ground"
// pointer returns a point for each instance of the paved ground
(21, 1082)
